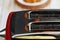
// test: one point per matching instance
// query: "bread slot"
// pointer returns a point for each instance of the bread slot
(44, 15)
(44, 26)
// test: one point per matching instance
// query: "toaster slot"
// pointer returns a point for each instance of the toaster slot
(44, 26)
(44, 15)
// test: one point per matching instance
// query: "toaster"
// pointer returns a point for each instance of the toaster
(23, 22)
